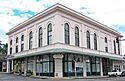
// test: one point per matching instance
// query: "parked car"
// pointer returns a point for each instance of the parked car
(115, 73)
(123, 73)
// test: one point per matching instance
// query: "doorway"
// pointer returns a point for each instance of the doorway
(106, 64)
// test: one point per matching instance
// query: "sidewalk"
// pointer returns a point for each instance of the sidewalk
(58, 78)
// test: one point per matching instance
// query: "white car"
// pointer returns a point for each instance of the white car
(114, 73)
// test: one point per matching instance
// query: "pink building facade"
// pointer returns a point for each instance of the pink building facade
(60, 42)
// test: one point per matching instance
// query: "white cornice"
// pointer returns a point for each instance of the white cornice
(64, 9)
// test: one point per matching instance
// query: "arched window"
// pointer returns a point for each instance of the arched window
(10, 42)
(22, 38)
(88, 39)
(95, 41)
(114, 46)
(16, 39)
(118, 45)
(22, 42)
(16, 44)
(10, 46)
(30, 40)
(67, 37)
(105, 39)
(40, 36)
(49, 33)
(76, 36)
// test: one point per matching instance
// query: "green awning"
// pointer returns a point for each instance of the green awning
(62, 50)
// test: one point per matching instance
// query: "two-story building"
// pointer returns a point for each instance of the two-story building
(60, 42)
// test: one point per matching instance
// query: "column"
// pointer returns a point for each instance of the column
(84, 67)
(25, 68)
(58, 65)
(101, 68)
(34, 66)
(12, 65)
(8, 66)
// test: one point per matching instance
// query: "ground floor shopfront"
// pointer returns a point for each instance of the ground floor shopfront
(64, 65)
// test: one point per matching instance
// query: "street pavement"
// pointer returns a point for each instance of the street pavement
(11, 77)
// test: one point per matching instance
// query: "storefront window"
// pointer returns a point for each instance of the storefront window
(45, 65)
(69, 64)
(23, 66)
(19, 66)
(92, 66)
(30, 64)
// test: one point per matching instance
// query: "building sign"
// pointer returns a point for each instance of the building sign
(58, 56)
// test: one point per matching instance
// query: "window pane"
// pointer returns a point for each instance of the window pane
(40, 37)
(76, 36)
(70, 67)
(49, 31)
(39, 67)
(30, 66)
(66, 33)
(17, 40)
(51, 66)
(30, 40)
(22, 38)
(95, 41)
(87, 67)
(65, 66)
(93, 67)
(88, 39)
(45, 67)
(45, 58)
(22, 47)
(98, 67)
(11, 42)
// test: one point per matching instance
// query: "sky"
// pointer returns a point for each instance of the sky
(108, 12)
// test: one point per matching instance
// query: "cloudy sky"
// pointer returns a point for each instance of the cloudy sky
(108, 12)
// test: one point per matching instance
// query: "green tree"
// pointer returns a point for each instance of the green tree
(3, 48)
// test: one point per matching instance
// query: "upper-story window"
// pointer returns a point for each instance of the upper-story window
(10, 47)
(106, 49)
(10, 50)
(22, 38)
(16, 39)
(88, 39)
(76, 36)
(105, 39)
(22, 42)
(117, 41)
(10, 42)
(49, 33)
(95, 41)
(67, 37)
(40, 36)
(16, 44)
(114, 46)
(30, 40)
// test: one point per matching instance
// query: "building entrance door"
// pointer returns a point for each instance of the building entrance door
(78, 69)
(106, 64)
